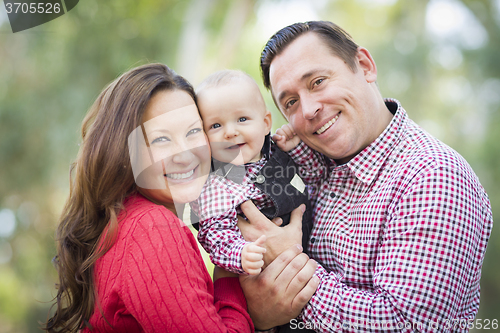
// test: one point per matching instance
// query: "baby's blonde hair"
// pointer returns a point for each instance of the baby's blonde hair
(222, 78)
(226, 77)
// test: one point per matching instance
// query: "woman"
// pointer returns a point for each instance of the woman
(126, 262)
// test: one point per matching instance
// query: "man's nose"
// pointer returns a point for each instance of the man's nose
(310, 106)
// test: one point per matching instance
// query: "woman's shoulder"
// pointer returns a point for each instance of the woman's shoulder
(141, 217)
(137, 206)
(143, 222)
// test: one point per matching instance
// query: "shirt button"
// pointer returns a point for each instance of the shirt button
(260, 179)
(332, 195)
(313, 240)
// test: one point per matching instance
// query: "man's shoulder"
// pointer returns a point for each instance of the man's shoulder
(420, 154)
(419, 145)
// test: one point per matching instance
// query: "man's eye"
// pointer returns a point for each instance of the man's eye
(194, 131)
(318, 82)
(290, 103)
(214, 126)
(242, 119)
(161, 139)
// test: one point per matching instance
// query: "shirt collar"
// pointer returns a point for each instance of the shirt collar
(367, 163)
(237, 173)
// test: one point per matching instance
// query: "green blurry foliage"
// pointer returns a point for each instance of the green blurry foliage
(51, 74)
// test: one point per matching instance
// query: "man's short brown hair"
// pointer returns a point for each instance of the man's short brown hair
(337, 39)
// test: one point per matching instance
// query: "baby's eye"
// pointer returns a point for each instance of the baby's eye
(193, 131)
(161, 139)
(242, 119)
(214, 126)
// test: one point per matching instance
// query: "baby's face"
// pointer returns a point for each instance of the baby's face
(235, 120)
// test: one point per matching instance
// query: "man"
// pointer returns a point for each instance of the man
(401, 222)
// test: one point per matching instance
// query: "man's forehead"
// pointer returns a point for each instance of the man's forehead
(309, 42)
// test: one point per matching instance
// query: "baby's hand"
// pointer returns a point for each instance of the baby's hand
(252, 256)
(285, 138)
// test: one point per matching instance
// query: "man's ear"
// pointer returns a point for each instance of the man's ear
(366, 64)
(268, 120)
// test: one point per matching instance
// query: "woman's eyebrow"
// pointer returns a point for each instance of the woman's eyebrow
(196, 121)
(161, 128)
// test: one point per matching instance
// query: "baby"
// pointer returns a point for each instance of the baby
(247, 165)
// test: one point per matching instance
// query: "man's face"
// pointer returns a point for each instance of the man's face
(331, 108)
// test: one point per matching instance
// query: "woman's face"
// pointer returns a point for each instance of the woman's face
(173, 162)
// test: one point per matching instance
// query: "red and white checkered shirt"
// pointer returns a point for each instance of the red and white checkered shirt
(218, 206)
(400, 231)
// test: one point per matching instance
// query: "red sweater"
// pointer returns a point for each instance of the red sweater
(154, 279)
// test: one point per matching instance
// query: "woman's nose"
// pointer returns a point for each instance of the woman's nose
(183, 156)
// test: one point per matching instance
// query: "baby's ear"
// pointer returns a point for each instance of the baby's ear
(268, 120)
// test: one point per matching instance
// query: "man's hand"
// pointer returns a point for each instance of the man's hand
(279, 293)
(278, 238)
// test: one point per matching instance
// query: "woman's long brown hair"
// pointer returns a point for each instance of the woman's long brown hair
(100, 180)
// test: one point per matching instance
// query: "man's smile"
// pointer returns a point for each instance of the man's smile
(326, 126)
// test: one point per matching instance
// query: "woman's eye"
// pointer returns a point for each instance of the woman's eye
(161, 139)
(194, 131)
(214, 126)
(242, 119)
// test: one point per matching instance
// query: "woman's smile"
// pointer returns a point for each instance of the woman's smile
(180, 175)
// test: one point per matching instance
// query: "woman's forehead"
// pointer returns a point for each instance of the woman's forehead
(165, 101)
(172, 120)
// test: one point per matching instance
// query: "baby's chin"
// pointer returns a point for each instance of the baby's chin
(225, 159)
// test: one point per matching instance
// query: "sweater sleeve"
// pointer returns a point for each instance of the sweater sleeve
(166, 286)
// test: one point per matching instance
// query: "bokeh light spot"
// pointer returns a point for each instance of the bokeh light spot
(453, 21)
(7, 223)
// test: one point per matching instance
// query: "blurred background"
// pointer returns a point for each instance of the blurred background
(440, 58)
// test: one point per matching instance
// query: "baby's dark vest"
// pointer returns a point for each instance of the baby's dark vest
(276, 179)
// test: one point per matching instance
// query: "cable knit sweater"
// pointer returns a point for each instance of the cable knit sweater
(154, 279)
